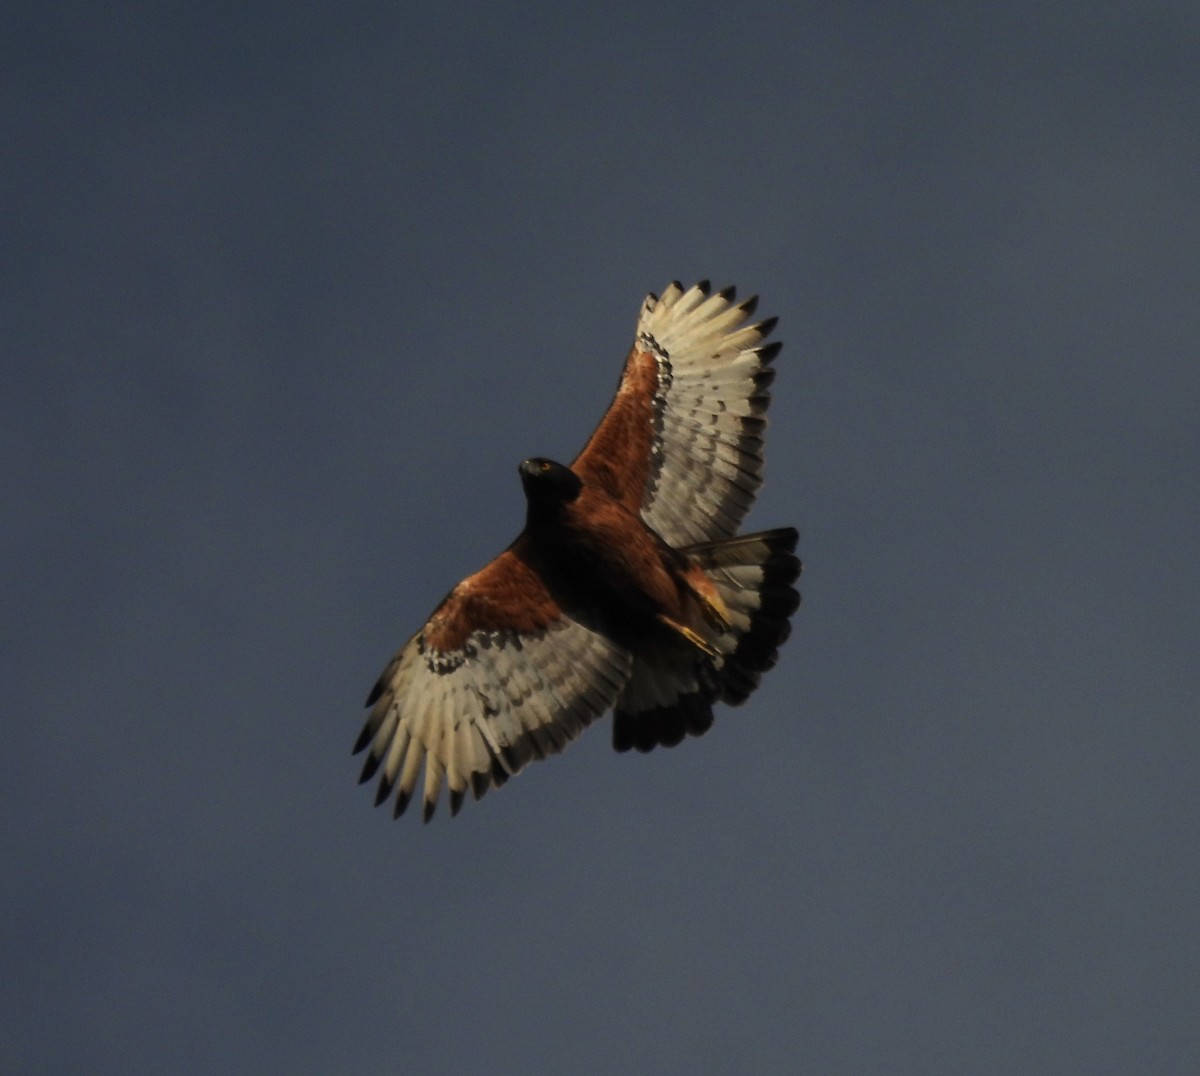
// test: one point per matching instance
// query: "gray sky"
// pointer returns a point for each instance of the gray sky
(289, 290)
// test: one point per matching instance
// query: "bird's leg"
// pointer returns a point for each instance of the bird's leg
(688, 634)
(711, 605)
(715, 611)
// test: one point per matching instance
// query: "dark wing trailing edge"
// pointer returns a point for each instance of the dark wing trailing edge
(668, 697)
(499, 675)
(682, 440)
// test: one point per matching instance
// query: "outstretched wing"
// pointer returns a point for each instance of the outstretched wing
(682, 440)
(499, 675)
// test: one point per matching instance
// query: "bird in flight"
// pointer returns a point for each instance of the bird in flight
(629, 587)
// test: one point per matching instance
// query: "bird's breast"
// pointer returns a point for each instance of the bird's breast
(611, 558)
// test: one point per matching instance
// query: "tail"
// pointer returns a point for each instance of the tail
(669, 695)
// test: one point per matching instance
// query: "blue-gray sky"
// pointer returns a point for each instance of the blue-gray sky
(288, 291)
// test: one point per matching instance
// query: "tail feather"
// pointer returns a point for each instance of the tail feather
(662, 726)
(763, 604)
(667, 698)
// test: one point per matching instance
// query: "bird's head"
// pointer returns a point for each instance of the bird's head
(546, 481)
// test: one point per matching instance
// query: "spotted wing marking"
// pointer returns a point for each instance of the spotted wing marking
(507, 682)
(682, 440)
(713, 394)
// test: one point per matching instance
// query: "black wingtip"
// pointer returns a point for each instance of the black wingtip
(728, 294)
(748, 306)
(765, 328)
(376, 691)
(370, 768)
(427, 810)
(768, 352)
(401, 804)
(704, 286)
(383, 791)
(364, 738)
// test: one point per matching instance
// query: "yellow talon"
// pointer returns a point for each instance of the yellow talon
(683, 630)
(715, 612)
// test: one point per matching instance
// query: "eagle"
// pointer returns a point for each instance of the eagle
(629, 587)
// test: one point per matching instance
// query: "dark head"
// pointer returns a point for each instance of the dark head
(548, 482)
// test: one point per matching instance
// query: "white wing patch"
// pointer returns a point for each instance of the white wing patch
(713, 381)
(477, 716)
